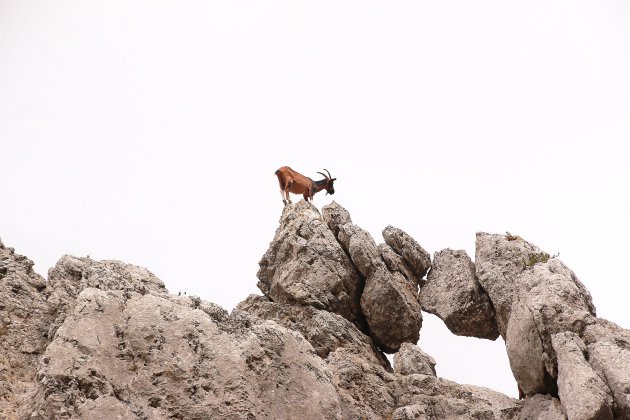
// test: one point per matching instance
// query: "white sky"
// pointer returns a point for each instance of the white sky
(149, 132)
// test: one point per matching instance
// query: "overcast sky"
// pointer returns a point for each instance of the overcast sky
(149, 132)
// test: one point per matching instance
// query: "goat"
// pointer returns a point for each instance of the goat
(296, 183)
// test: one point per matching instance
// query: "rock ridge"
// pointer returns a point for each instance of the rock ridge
(105, 339)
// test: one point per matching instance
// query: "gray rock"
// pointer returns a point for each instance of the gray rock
(525, 351)
(411, 359)
(608, 347)
(167, 358)
(305, 265)
(392, 310)
(498, 261)
(453, 293)
(546, 296)
(542, 407)
(384, 289)
(24, 323)
(583, 394)
(417, 258)
(443, 399)
(325, 330)
(412, 412)
(396, 264)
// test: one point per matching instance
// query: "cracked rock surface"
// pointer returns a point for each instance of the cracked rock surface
(105, 339)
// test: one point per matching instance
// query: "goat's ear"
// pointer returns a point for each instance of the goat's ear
(334, 179)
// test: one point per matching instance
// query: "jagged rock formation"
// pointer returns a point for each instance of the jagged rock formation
(105, 340)
(453, 293)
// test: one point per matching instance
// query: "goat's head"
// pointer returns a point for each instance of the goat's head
(330, 189)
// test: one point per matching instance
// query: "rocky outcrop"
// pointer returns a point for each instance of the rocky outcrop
(305, 265)
(534, 296)
(542, 407)
(411, 359)
(104, 339)
(608, 348)
(384, 287)
(453, 293)
(156, 356)
(24, 320)
(582, 392)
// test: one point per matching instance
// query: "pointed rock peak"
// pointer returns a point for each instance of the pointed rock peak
(404, 245)
(335, 216)
(306, 265)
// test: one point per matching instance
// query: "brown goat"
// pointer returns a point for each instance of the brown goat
(296, 183)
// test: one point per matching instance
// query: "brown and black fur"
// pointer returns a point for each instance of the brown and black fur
(294, 182)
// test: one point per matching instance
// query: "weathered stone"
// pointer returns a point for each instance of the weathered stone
(411, 412)
(404, 245)
(396, 264)
(24, 323)
(525, 351)
(547, 296)
(583, 394)
(453, 293)
(166, 358)
(325, 330)
(411, 359)
(608, 347)
(443, 399)
(384, 290)
(498, 261)
(542, 407)
(391, 307)
(305, 265)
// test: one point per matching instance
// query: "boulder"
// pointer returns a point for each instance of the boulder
(583, 394)
(415, 256)
(389, 301)
(542, 407)
(444, 399)
(305, 265)
(453, 293)
(411, 359)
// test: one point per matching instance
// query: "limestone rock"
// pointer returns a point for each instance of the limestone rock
(583, 394)
(161, 356)
(499, 259)
(325, 330)
(305, 265)
(418, 259)
(411, 359)
(412, 412)
(545, 295)
(453, 293)
(542, 407)
(358, 368)
(389, 301)
(525, 351)
(608, 347)
(391, 307)
(443, 399)
(24, 323)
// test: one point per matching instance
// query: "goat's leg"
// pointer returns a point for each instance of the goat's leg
(284, 200)
(287, 188)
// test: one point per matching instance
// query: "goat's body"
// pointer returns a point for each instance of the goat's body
(294, 182)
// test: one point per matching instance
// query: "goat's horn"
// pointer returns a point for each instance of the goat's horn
(329, 176)
(324, 175)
